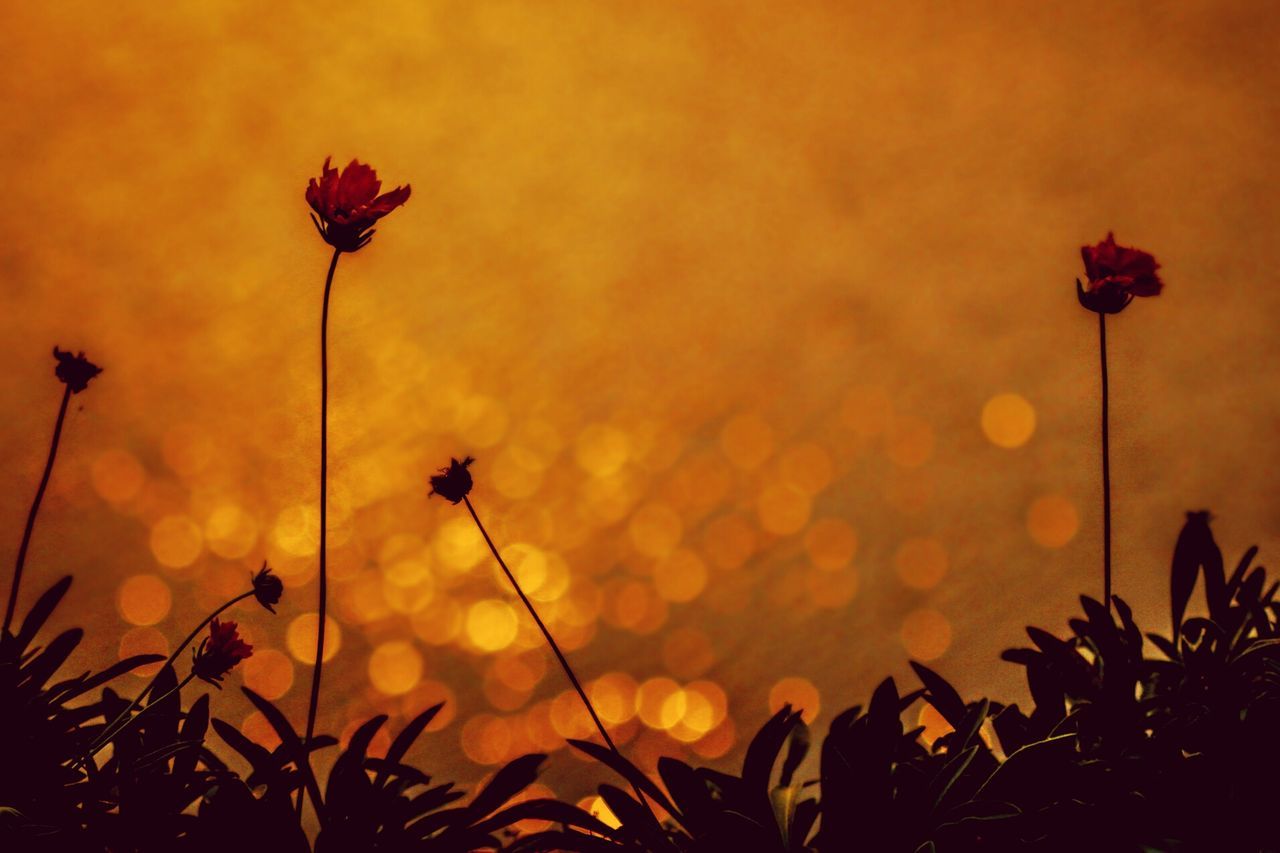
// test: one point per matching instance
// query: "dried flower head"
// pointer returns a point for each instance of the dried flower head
(267, 588)
(454, 482)
(219, 653)
(74, 371)
(1116, 275)
(347, 205)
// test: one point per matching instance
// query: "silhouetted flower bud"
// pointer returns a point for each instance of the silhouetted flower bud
(1116, 275)
(219, 653)
(267, 588)
(453, 483)
(347, 206)
(74, 371)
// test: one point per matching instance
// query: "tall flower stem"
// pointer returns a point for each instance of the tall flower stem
(1106, 467)
(564, 663)
(97, 747)
(35, 509)
(111, 730)
(313, 704)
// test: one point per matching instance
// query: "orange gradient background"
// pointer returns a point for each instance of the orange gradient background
(758, 318)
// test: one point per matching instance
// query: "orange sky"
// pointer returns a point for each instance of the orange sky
(716, 293)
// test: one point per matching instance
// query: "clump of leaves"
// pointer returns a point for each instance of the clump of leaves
(44, 730)
(368, 803)
(1119, 749)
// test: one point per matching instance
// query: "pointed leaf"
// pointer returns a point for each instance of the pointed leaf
(407, 736)
(626, 770)
(39, 612)
(941, 695)
(506, 783)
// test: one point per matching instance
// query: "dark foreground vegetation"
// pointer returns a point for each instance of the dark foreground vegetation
(1132, 741)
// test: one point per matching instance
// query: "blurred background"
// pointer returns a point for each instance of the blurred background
(759, 320)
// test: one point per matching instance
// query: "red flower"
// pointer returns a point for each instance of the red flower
(347, 206)
(453, 483)
(219, 653)
(1116, 275)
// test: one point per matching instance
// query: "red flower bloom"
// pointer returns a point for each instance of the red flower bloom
(347, 205)
(453, 483)
(219, 653)
(1116, 275)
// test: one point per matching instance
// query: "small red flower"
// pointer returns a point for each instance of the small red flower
(1116, 275)
(219, 653)
(74, 371)
(453, 483)
(347, 205)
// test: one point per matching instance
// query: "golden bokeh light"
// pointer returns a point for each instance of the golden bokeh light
(602, 449)
(925, 634)
(655, 529)
(297, 530)
(783, 509)
(176, 541)
(458, 546)
(830, 543)
(117, 476)
(491, 625)
(599, 809)
(921, 563)
(716, 743)
(269, 672)
(806, 466)
(799, 693)
(1052, 520)
(651, 700)
(300, 637)
(1008, 420)
(395, 667)
(614, 697)
(231, 531)
(144, 599)
(747, 441)
(680, 577)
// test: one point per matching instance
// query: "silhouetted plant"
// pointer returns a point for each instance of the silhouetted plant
(453, 483)
(42, 733)
(217, 655)
(369, 803)
(265, 587)
(345, 208)
(1120, 750)
(75, 372)
(1116, 274)
(707, 810)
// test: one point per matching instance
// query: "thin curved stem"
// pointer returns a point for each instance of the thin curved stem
(564, 663)
(1106, 468)
(35, 509)
(313, 704)
(108, 733)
